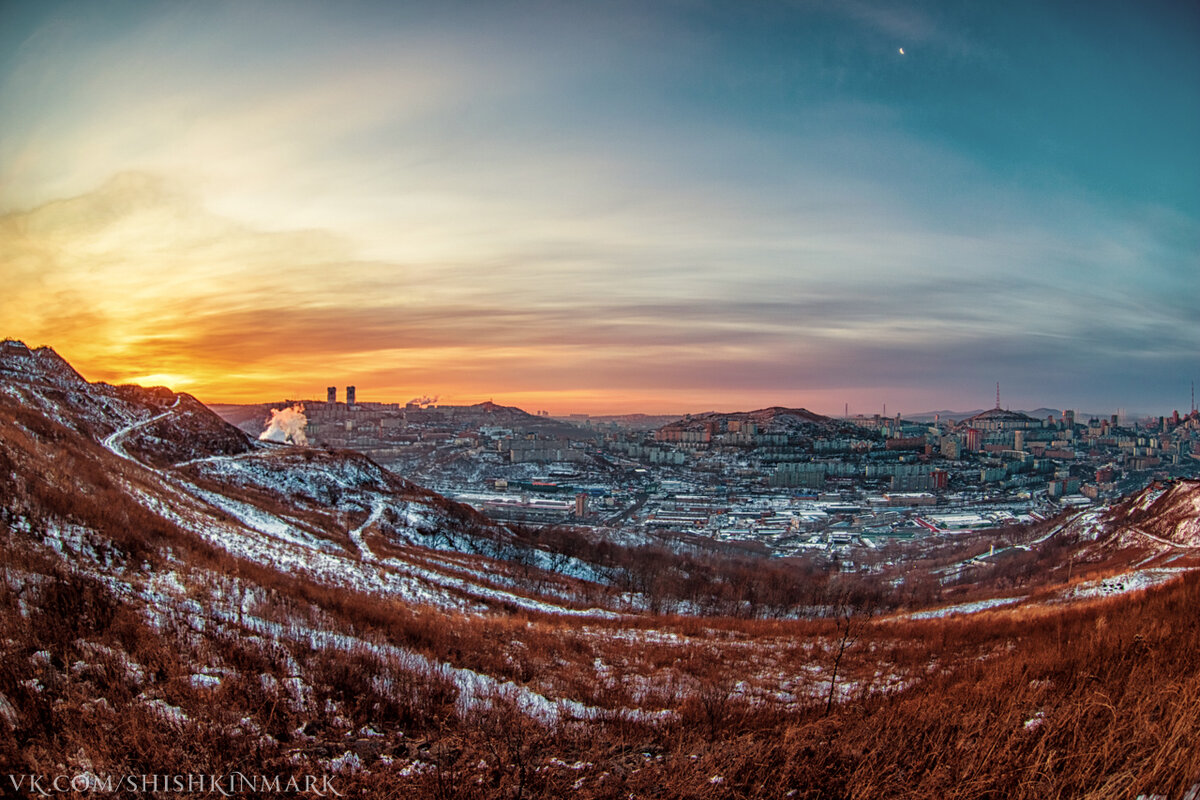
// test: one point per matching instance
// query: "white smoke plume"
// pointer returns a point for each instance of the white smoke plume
(423, 401)
(286, 426)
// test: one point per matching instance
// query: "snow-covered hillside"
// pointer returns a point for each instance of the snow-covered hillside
(307, 511)
(1167, 514)
(169, 583)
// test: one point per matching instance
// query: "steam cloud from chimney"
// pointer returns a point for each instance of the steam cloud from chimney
(423, 401)
(286, 426)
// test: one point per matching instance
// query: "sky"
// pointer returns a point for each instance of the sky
(610, 206)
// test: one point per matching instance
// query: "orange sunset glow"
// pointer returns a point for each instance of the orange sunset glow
(248, 202)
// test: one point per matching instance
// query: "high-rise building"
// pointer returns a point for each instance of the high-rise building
(331, 394)
(349, 395)
(951, 447)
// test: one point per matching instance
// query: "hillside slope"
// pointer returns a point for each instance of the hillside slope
(177, 597)
(776, 419)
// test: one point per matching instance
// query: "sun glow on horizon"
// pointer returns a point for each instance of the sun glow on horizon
(174, 382)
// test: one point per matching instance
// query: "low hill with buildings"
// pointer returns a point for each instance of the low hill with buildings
(750, 426)
(339, 423)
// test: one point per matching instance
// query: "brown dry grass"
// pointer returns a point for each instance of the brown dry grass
(1113, 685)
(1116, 682)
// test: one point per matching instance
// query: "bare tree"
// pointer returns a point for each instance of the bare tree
(850, 618)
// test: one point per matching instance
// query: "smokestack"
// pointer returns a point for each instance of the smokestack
(286, 426)
(350, 396)
(331, 395)
(423, 401)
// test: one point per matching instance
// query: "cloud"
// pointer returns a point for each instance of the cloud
(252, 197)
(137, 278)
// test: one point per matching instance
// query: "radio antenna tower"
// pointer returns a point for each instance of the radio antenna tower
(997, 395)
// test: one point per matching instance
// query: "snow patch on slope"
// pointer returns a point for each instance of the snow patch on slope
(966, 608)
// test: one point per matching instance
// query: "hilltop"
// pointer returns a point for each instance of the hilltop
(772, 420)
(251, 418)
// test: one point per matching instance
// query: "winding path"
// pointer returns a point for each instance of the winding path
(1161, 540)
(112, 441)
(356, 535)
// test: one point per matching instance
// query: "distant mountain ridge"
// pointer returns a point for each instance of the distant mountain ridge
(1037, 413)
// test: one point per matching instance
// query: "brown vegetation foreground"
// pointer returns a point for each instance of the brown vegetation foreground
(1098, 701)
(131, 645)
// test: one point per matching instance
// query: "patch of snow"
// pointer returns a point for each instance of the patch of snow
(345, 764)
(1180, 530)
(7, 712)
(202, 681)
(966, 608)
(414, 769)
(259, 520)
(167, 712)
(1148, 497)
(1121, 584)
(356, 535)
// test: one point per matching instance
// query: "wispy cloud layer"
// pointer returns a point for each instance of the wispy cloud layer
(679, 208)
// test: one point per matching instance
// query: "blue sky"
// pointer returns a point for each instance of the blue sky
(610, 206)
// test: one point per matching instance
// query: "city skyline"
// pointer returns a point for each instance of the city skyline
(617, 208)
